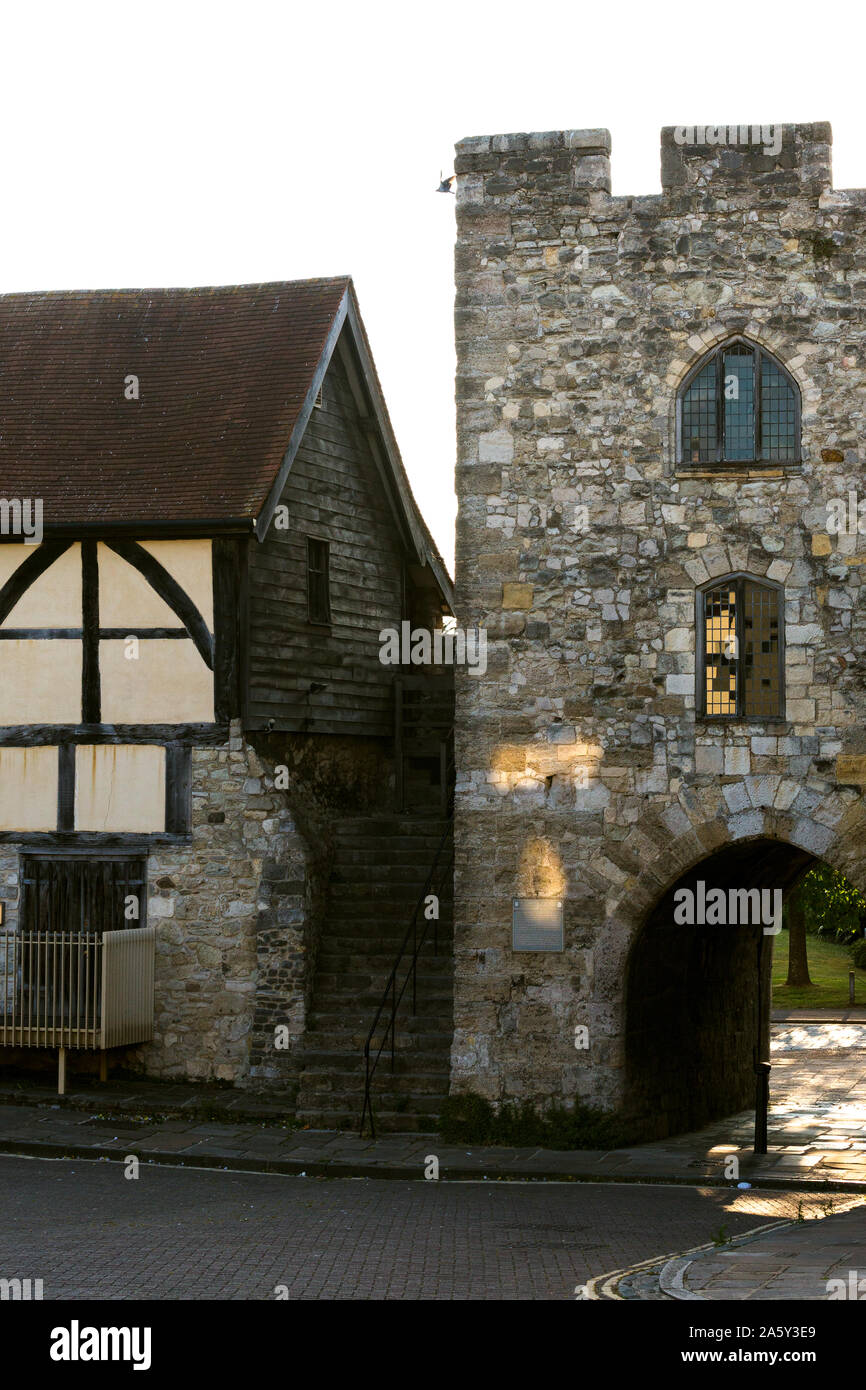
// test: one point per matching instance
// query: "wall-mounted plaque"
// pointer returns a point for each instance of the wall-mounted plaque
(537, 924)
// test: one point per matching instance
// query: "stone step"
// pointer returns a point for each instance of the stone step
(355, 993)
(385, 938)
(373, 880)
(337, 989)
(435, 1035)
(400, 877)
(349, 1084)
(362, 1004)
(351, 1093)
(324, 1087)
(433, 1028)
(360, 926)
(386, 1122)
(379, 957)
(422, 832)
(367, 909)
(422, 1051)
(378, 962)
(349, 1035)
(370, 899)
(380, 868)
(375, 952)
(351, 1098)
(364, 935)
(334, 1021)
(372, 852)
(422, 846)
(394, 854)
(425, 1061)
(396, 825)
(436, 1026)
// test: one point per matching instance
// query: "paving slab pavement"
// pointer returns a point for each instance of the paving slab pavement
(817, 1129)
(810, 1260)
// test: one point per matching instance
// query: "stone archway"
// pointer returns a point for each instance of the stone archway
(683, 1054)
(697, 994)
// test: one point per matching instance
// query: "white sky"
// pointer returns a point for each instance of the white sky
(203, 143)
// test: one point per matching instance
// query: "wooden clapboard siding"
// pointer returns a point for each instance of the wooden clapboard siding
(334, 493)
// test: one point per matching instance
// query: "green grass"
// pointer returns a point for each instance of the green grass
(829, 964)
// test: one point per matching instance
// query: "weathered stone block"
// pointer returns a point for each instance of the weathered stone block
(517, 596)
(851, 768)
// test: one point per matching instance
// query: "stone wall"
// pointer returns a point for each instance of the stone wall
(238, 913)
(239, 910)
(236, 917)
(583, 771)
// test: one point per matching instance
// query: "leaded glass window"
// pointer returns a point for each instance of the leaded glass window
(740, 672)
(739, 406)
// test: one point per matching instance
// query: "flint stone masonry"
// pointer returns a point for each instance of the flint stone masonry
(240, 910)
(583, 771)
(237, 928)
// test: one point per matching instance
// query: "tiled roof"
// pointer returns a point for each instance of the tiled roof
(223, 375)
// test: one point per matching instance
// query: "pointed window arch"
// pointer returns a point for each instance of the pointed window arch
(738, 405)
(741, 649)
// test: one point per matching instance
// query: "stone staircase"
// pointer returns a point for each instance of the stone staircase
(379, 870)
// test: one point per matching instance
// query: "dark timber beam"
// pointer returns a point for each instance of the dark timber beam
(91, 692)
(27, 573)
(170, 592)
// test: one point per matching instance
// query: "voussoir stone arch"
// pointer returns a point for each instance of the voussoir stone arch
(831, 826)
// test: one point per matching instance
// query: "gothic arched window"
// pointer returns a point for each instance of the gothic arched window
(738, 405)
(740, 666)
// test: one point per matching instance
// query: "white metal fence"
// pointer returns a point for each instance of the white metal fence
(77, 989)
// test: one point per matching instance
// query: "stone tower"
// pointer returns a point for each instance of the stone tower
(598, 524)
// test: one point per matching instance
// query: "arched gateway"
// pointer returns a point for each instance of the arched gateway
(682, 982)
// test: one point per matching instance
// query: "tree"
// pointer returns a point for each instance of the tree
(832, 905)
(798, 960)
(825, 903)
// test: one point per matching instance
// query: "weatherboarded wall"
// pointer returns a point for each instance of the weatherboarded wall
(335, 494)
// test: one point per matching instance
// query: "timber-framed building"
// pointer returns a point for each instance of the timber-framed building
(200, 748)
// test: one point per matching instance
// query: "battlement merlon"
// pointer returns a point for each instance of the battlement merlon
(776, 158)
(767, 160)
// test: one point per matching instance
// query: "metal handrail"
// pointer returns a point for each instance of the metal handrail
(436, 876)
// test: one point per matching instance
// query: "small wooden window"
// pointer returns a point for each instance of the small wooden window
(738, 405)
(740, 670)
(318, 581)
(77, 894)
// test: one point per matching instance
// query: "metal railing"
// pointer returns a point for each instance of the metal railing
(77, 989)
(413, 940)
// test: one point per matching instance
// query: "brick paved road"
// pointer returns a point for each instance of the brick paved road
(190, 1234)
